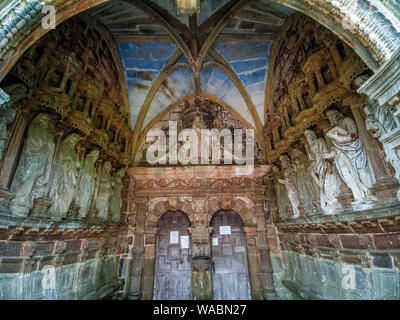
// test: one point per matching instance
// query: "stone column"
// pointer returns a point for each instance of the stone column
(266, 272)
(382, 174)
(384, 87)
(135, 291)
(10, 156)
(253, 261)
(149, 263)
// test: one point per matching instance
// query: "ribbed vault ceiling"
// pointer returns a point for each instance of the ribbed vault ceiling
(222, 51)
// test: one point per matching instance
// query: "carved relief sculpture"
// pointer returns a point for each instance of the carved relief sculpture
(116, 199)
(34, 167)
(324, 173)
(379, 120)
(305, 184)
(65, 177)
(350, 158)
(290, 183)
(86, 183)
(104, 191)
(281, 194)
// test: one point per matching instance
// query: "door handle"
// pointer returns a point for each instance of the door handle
(213, 267)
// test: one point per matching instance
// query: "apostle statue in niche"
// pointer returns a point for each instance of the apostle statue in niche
(290, 183)
(104, 191)
(324, 173)
(86, 183)
(116, 199)
(380, 121)
(65, 177)
(306, 189)
(33, 171)
(350, 158)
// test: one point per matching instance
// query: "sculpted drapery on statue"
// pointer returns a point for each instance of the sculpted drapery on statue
(104, 191)
(306, 190)
(33, 171)
(116, 199)
(350, 157)
(65, 177)
(290, 182)
(379, 120)
(86, 183)
(323, 173)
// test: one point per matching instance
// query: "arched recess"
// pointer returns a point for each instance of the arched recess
(367, 26)
(158, 206)
(242, 205)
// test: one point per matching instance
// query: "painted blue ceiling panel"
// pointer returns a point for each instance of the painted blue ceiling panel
(179, 84)
(142, 63)
(250, 61)
(217, 83)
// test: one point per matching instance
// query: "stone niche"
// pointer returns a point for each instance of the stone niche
(332, 190)
(65, 144)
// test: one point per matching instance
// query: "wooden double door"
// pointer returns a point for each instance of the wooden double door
(229, 268)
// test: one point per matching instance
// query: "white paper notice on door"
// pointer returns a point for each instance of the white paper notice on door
(223, 230)
(215, 241)
(184, 242)
(174, 237)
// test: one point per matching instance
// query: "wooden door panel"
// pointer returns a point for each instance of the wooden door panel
(173, 265)
(229, 259)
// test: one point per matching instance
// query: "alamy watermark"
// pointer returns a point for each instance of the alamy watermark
(199, 146)
(49, 20)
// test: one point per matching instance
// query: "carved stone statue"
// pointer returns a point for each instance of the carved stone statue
(86, 183)
(7, 112)
(116, 199)
(350, 158)
(306, 189)
(281, 193)
(290, 183)
(65, 177)
(33, 171)
(379, 120)
(104, 191)
(324, 173)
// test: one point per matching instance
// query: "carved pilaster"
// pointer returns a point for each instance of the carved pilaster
(201, 263)
(10, 157)
(138, 250)
(253, 263)
(266, 272)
